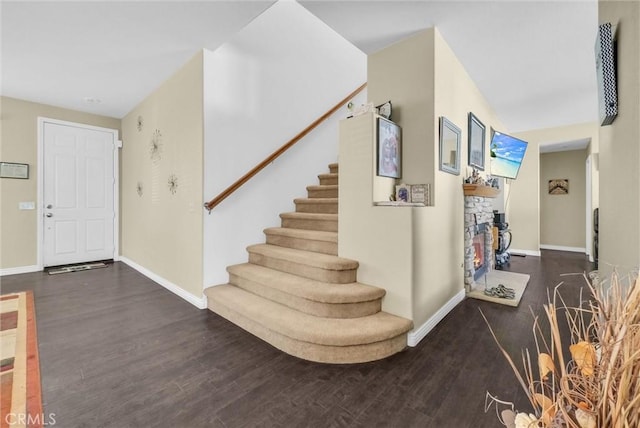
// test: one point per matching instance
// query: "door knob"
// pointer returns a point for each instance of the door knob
(49, 214)
(49, 206)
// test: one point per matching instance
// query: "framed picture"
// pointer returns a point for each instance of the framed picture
(476, 142)
(14, 170)
(389, 149)
(403, 193)
(449, 146)
(559, 186)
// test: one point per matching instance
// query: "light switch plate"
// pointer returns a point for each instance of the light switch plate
(27, 205)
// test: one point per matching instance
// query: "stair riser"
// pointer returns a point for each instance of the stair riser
(323, 193)
(328, 181)
(319, 309)
(317, 208)
(306, 271)
(323, 247)
(312, 351)
(321, 225)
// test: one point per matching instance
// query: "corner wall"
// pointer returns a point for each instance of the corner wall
(424, 80)
(19, 143)
(162, 224)
(619, 235)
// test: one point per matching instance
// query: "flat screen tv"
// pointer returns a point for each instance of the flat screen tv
(506, 154)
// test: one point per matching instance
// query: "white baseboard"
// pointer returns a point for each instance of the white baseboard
(198, 302)
(416, 335)
(524, 253)
(562, 248)
(20, 269)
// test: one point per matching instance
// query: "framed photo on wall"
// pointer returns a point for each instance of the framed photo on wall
(449, 146)
(476, 142)
(389, 149)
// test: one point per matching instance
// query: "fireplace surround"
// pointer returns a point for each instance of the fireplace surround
(478, 239)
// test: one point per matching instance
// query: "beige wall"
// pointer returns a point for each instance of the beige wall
(619, 146)
(562, 217)
(523, 197)
(162, 231)
(19, 143)
(424, 80)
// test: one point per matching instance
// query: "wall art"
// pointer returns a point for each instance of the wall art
(173, 184)
(155, 148)
(389, 149)
(476, 142)
(449, 146)
(559, 186)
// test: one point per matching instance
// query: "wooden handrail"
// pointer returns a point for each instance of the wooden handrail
(273, 156)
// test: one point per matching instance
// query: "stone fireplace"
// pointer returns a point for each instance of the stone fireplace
(478, 239)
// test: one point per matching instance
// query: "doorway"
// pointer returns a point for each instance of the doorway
(77, 193)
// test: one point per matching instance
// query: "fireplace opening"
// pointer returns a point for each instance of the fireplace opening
(479, 249)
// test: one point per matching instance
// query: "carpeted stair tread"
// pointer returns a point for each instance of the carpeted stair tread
(308, 328)
(307, 240)
(310, 221)
(307, 288)
(324, 201)
(330, 178)
(323, 191)
(314, 235)
(333, 168)
(317, 205)
(322, 261)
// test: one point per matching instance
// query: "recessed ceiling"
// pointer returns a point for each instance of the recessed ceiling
(533, 61)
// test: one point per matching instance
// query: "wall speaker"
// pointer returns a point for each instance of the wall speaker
(605, 50)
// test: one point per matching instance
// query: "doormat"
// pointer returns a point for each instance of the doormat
(77, 268)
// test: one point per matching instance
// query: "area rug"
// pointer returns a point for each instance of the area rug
(516, 281)
(21, 403)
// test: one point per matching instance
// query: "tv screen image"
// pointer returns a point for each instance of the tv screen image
(506, 154)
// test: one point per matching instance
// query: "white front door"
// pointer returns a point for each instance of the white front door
(78, 194)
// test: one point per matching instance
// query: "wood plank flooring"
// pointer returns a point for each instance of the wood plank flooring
(118, 350)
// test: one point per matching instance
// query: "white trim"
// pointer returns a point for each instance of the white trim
(198, 302)
(563, 248)
(416, 335)
(524, 253)
(40, 184)
(20, 269)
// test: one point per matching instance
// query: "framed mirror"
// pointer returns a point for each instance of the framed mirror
(450, 136)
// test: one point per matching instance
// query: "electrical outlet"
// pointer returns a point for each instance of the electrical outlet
(27, 205)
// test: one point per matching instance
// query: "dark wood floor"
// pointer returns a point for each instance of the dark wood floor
(117, 350)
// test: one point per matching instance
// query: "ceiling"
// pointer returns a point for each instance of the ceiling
(533, 61)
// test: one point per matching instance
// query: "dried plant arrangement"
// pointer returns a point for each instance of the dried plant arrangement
(591, 379)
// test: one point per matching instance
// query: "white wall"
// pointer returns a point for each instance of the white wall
(619, 233)
(275, 77)
(161, 229)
